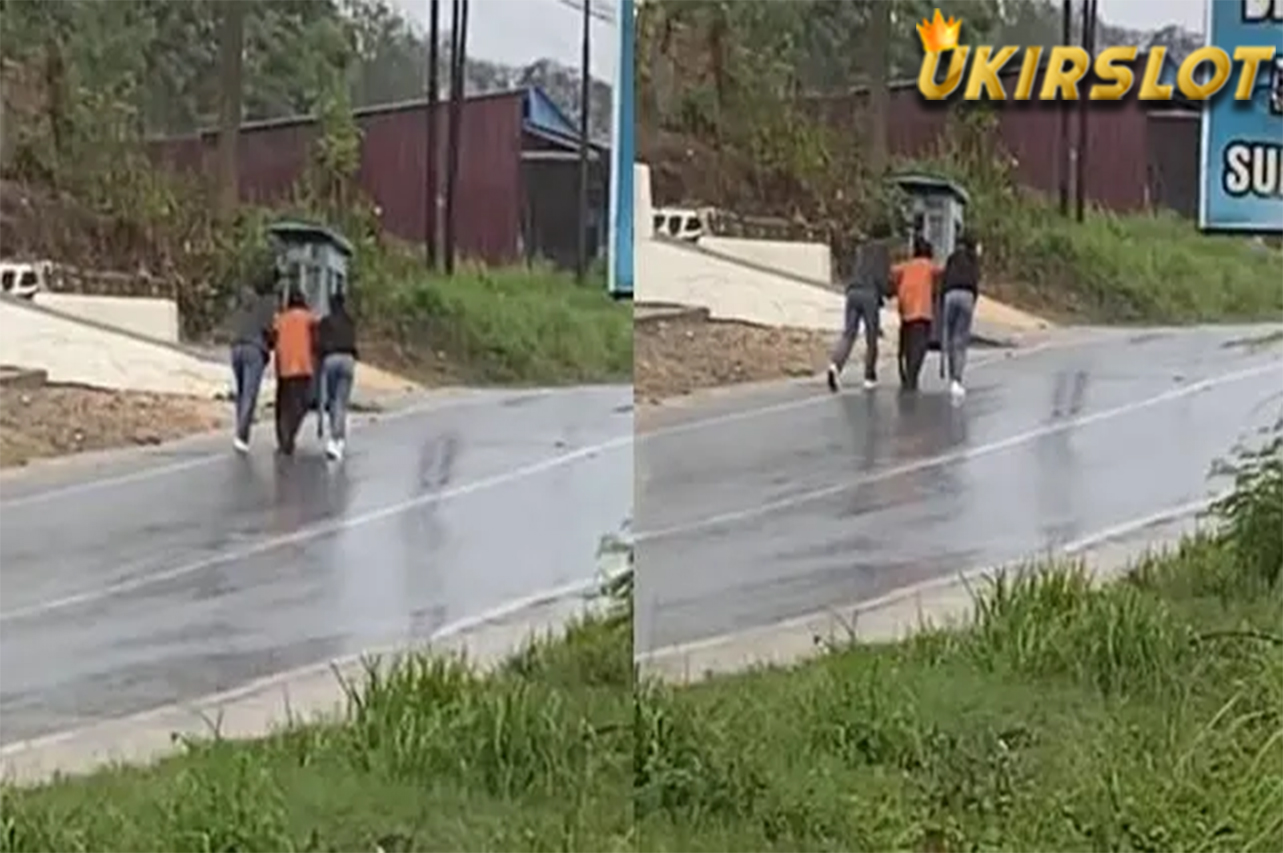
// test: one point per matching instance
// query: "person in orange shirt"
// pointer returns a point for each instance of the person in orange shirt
(913, 282)
(295, 366)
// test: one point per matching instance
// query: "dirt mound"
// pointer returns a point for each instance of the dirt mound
(58, 420)
(677, 356)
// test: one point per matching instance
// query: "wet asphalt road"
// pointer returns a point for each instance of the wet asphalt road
(785, 501)
(186, 571)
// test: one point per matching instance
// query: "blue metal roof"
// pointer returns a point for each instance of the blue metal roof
(542, 116)
(542, 113)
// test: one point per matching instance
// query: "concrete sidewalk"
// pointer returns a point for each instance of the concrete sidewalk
(675, 273)
(73, 350)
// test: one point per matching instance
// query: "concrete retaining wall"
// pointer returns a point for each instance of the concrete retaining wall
(806, 260)
(79, 352)
(147, 316)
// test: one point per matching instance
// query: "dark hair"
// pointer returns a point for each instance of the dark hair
(963, 267)
(294, 299)
(338, 302)
(921, 247)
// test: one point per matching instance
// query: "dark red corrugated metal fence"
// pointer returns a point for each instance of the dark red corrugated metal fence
(274, 155)
(1120, 151)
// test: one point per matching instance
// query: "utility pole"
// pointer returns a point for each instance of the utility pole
(458, 63)
(431, 157)
(879, 37)
(231, 46)
(1080, 166)
(1066, 34)
(585, 92)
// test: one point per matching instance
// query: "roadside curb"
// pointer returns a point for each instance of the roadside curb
(314, 693)
(943, 602)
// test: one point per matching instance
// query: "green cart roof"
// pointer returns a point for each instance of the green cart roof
(920, 182)
(310, 232)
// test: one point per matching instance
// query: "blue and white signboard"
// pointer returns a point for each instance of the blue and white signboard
(1241, 185)
(622, 155)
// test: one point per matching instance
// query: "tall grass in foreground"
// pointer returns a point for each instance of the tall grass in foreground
(1141, 715)
(430, 755)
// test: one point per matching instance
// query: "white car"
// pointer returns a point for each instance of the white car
(24, 279)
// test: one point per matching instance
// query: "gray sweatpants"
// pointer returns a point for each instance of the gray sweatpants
(861, 307)
(955, 336)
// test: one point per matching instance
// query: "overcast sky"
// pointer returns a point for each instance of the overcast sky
(1153, 14)
(517, 32)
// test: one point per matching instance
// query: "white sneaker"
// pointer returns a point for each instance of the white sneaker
(334, 449)
(870, 384)
(956, 389)
(834, 386)
(241, 446)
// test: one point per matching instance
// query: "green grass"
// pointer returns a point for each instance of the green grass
(1143, 268)
(1143, 716)
(431, 757)
(520, 325)
(1139, 269)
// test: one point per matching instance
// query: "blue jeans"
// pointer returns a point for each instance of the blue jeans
(861, 309)
(248, 363)
(338, 371)
(955, 336)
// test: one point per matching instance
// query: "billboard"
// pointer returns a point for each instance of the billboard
(1241, 161)
(620, 275)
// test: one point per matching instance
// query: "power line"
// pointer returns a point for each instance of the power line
(603, 15)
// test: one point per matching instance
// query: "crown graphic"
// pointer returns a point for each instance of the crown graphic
(939, 34)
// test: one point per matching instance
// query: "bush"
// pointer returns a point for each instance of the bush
(1251, 516)
(517, 324)
(1112, 268)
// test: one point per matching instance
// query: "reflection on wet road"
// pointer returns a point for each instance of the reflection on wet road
(824, 501)
(155, 586)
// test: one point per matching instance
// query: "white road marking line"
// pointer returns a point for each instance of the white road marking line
(167, 469)
(954, 456)
(494, 614)
(318, 530)
(1071, 548)
(817, 399)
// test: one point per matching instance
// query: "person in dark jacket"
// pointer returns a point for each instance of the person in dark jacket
(961, 288)
(865, 292)
(336, 346)
(251, 346)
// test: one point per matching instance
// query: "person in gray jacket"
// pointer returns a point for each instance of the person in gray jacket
(865, 292)
(250, 350)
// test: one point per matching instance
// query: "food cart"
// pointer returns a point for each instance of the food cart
(317, 260)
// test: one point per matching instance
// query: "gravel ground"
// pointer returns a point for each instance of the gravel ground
(676, 356)
(57, 420)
